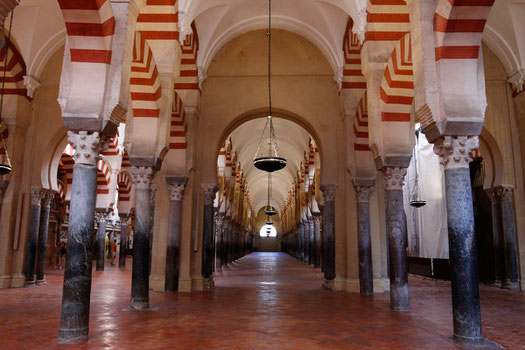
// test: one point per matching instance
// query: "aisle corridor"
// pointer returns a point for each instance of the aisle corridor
(264, 301)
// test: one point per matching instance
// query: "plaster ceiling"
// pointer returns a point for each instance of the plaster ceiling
(292, 140)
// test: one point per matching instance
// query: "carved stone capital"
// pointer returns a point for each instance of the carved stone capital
(394, 177)
(142, 176)
(31, 84)
(152, 193)
(176, 192)
(328, 192)
(360, 26)
(87, 146)
(209, 193)
(37, 194)
(362, 193)
(48, 198)
(101, 217)
(454, 151)
(504, 193)
(220, 219)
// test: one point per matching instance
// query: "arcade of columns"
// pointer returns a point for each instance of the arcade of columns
(130, 68)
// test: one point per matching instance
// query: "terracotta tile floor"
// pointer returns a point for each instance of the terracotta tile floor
(264, 301)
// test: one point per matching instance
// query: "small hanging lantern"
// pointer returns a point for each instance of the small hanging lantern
(415, 196)
(5, 162)
(271, 161)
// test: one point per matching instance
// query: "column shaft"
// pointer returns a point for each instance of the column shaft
(364, 241)
(317, 229)
(101, 242)
(42, 238)
(32, 236)
(329, 233)
(173, 250)
(208, 232)
(123, 243)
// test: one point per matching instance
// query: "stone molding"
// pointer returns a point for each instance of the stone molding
(142, 177)
(328, 192)
(37, 194)
(504, 193)
(394, 177)
(31, 84)
(209, 193)
(87, 146)
(176, 192)
(454, 151)
(362, 193)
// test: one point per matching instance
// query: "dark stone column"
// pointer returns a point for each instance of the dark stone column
(152, 196)
(397, 237)
(231, 239)
(302, 241)
(306, 240)
(509, 241)
(225, 240)
(364, 242)
(329, 233)
(219, 221)
(32, 236)
(454, 153)
(123, 241)
(317, 233)
(176, 189)
(208, 233)
(311, 241)
(101, 240)
(74, 324)
(142, 176)
(42, 237)
(499, 259)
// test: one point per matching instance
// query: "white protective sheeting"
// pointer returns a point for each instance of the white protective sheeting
(427, 224)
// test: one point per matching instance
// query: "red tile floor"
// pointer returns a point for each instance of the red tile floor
(264, 301)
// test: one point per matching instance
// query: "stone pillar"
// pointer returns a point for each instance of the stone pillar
(329, 233)
(74, 324)
(509, 242)
(499, 260)
(123, 241)
(397, 238)
(142, 176)
(302, 241)
(364, 242)
(306, 240)
(311, 241)
(455, 157)
(225, 240)
(219, 221)
(32, 236)
(208, 234)
(152, 196)
(176, 190)
(317, 233)
(231, 240)
(42, 237)
(101, 240)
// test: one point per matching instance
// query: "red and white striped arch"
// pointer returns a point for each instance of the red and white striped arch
(397, 86)
(103, 177)
(90, 26)
(158, 20)
(125, 165)
(66, 165)
(144, 81)
(189, 73)
(178, 128)
(61, 191)
(14, 71)
(387, 20)
(112, 150)
(353, 77)
(124, 186)
(361, 142)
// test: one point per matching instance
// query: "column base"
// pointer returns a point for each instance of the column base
(328, 284)
(352, 286)
(510, 285)
(157, 282)
(209, 284)
(18, 281)
(471, 344)
(5, 281)
(137, 305)
(73, 336)
(184, 285)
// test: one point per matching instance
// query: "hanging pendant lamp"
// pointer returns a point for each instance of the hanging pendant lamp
(415, 199)
(271, 161)
(269, 211)
(5, 163)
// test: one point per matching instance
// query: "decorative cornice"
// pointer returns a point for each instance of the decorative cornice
(455, 151)
(394, 177)
(87, 146)
(142, 176)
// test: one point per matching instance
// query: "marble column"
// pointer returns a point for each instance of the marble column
(231, 240)
(225, 240)
(311, 241)
(498, 262)
(123, 241)
(176, 191)
(74, 324)
(306, 240)
(302, 240)
(42, 237)
(364, 242)
(32, 235)
(317, 233)
(329, 233)
(397, 238)
(142, 177)
(219, 221)
(208, 233)
(100, 217)
(152, 196)
(455, 157)
(509, 241)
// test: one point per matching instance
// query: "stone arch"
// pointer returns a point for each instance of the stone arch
(493, 159)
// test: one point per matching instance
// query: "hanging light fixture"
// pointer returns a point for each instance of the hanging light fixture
(5, 162)
(415, 196)
(269, 211)
(270, 162)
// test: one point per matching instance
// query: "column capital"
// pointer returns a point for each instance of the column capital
(176, 191)
(362, 193)
(37, 194)
(394, 177)
(87, 146)
(101, 217)
(152, 193)
(209, 193)
(504, 193)
(48, 198)
(454, 151)
(328, 192)
(142, 176)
